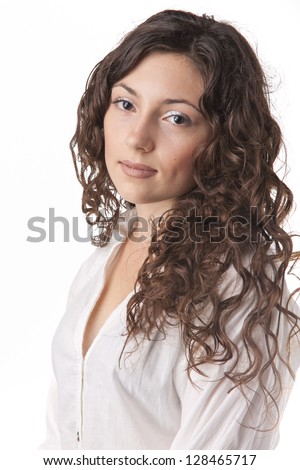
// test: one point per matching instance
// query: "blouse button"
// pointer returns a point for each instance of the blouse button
(78, 436)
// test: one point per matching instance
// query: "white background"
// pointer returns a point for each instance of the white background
(49, 48)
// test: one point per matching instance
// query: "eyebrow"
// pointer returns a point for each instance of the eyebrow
(166, 101)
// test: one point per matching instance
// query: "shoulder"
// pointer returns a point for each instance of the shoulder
(99, 255)
(89, 267)
(247, 298)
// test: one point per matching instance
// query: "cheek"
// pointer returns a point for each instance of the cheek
(110, 143)
(108, 129)
(182, 166)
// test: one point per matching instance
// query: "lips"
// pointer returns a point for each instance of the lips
(137, 170)
(138, 166)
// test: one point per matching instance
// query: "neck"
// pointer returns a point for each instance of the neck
(147, 215)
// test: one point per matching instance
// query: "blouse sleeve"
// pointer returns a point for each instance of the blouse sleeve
(52, 441)
(214, 415)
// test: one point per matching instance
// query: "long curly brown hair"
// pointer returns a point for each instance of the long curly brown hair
(240, 199)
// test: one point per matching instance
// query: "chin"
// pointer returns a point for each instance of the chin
(135, 198)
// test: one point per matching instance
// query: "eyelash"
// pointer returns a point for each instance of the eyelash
(122, 100)
(186, 119)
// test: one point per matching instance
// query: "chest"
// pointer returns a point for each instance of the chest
(119, 281)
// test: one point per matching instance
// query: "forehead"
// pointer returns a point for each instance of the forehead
(163, 72)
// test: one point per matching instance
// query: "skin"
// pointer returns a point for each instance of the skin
(144, 124)
(153, 119)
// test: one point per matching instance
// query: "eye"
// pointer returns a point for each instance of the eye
(123, 103)
(178, 118)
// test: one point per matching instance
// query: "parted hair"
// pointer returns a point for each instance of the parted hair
(238, 196)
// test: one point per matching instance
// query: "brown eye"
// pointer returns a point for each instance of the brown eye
(124, 104)
(178, 118)
(127, 105)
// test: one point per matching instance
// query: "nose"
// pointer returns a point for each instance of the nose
(141, 137)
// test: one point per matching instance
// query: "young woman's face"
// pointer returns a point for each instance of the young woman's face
(153, 128)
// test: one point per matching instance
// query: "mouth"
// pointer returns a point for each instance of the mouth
(137, 170)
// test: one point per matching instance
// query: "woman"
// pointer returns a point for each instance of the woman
(179, 331)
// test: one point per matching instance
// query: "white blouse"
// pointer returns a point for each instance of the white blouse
(147, 401)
